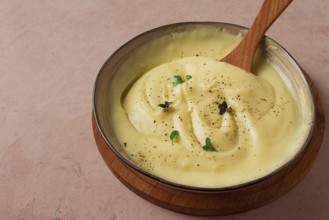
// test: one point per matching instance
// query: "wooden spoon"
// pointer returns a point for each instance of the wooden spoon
(242, 56)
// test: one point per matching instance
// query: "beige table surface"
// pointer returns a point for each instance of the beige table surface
(50, 54)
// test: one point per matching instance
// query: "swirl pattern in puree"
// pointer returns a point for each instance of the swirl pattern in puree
(250, 141)
(263, 131)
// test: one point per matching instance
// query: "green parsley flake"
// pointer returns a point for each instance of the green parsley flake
(174, 136)
(177, 80)
(208, 146)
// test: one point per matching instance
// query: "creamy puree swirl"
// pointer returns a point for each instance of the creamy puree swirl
(253, 139)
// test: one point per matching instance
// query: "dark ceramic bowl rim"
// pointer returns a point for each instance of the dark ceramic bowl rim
(187, 187)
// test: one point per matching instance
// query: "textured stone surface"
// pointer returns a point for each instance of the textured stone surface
(51, 52)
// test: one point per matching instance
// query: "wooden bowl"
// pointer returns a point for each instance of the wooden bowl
(194, 200)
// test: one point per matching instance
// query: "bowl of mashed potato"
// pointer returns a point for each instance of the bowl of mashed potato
(200, 136)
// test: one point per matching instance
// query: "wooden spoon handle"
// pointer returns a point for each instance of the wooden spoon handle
(242, 56)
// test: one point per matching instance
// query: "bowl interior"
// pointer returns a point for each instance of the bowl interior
(116, 76)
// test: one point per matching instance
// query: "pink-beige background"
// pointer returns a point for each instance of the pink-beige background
(50, 54)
